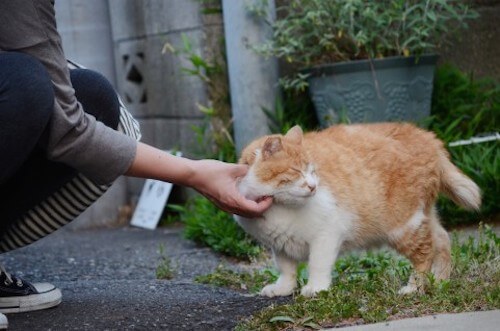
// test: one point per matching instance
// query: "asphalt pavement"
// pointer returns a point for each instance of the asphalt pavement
(108, 281)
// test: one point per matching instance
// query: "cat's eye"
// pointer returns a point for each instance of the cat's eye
(284, 182)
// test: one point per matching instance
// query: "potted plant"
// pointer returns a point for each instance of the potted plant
(364, 60)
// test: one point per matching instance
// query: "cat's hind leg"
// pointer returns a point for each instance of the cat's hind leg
(441, 262)
(415, 241)
(287, 281)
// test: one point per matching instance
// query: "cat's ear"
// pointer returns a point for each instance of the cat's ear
(294, 135)
(271, 146)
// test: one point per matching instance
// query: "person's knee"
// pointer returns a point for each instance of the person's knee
(27, 86)
(97, 96)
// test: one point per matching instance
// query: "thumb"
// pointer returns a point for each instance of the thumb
(240, 170)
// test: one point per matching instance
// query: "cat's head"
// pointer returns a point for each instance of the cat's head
(279, 167)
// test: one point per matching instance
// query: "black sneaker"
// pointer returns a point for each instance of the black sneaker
(18, 295)
(3, 322)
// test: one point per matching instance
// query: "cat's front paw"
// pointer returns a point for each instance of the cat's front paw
(311, 290)
(275, 290)
(408, 289)
(411, 288)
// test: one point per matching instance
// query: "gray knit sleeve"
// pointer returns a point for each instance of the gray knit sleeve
(75, 138)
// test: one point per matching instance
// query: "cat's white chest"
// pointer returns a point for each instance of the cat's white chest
(292, 229)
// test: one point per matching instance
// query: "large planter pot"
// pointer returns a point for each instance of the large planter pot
(390, 89)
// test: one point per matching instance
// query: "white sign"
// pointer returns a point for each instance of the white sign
(151, 203)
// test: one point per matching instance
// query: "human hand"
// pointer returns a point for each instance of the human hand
(218, 182)
(214, 179)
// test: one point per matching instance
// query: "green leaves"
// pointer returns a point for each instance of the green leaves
(315, 32)
(481, 162)
(208, 225)
(463, 107)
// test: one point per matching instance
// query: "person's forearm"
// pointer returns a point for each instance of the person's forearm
(214, 179)
(154, 163)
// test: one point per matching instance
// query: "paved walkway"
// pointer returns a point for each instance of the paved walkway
(108, 282)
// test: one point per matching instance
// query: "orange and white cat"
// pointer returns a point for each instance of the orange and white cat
(352, 186)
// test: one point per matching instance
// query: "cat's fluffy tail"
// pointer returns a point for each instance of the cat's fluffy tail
(457, 186)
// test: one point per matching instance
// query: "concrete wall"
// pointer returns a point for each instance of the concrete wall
(85, 30)
(154, 88)
(477, 49)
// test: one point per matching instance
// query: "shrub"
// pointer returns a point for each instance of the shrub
(463, 107)
(481, 162)
(315, 32)
(210, 226)
(293, 109)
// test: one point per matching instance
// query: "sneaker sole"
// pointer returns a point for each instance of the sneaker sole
(31, 302)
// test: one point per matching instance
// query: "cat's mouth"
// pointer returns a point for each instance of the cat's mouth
(294, 198)
(304, 195)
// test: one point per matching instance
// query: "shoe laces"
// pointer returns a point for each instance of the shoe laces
(9, 279)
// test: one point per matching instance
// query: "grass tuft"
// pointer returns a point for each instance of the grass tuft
(165, 269)
(212, 227)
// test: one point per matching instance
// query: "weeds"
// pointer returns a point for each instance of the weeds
(208, 225)
(250, 282)
(214, 137)
(164, 270)
(365, 289)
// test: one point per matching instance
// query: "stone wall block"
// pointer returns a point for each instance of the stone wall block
(171, 133)
(154, 84)
(137, 19)
(85, 30)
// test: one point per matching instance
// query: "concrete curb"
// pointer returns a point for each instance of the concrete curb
(482, 320)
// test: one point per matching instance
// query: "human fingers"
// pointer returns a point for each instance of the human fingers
(252, 209)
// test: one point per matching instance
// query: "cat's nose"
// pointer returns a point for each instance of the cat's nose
(311, 187)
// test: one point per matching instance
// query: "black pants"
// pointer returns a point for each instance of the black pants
(26, 105)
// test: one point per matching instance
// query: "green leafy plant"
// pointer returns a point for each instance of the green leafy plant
(365, 289)
(293, 109)
(481, 162)
(314, 32)
(210, 226)
(463, 106)
(165, 269)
